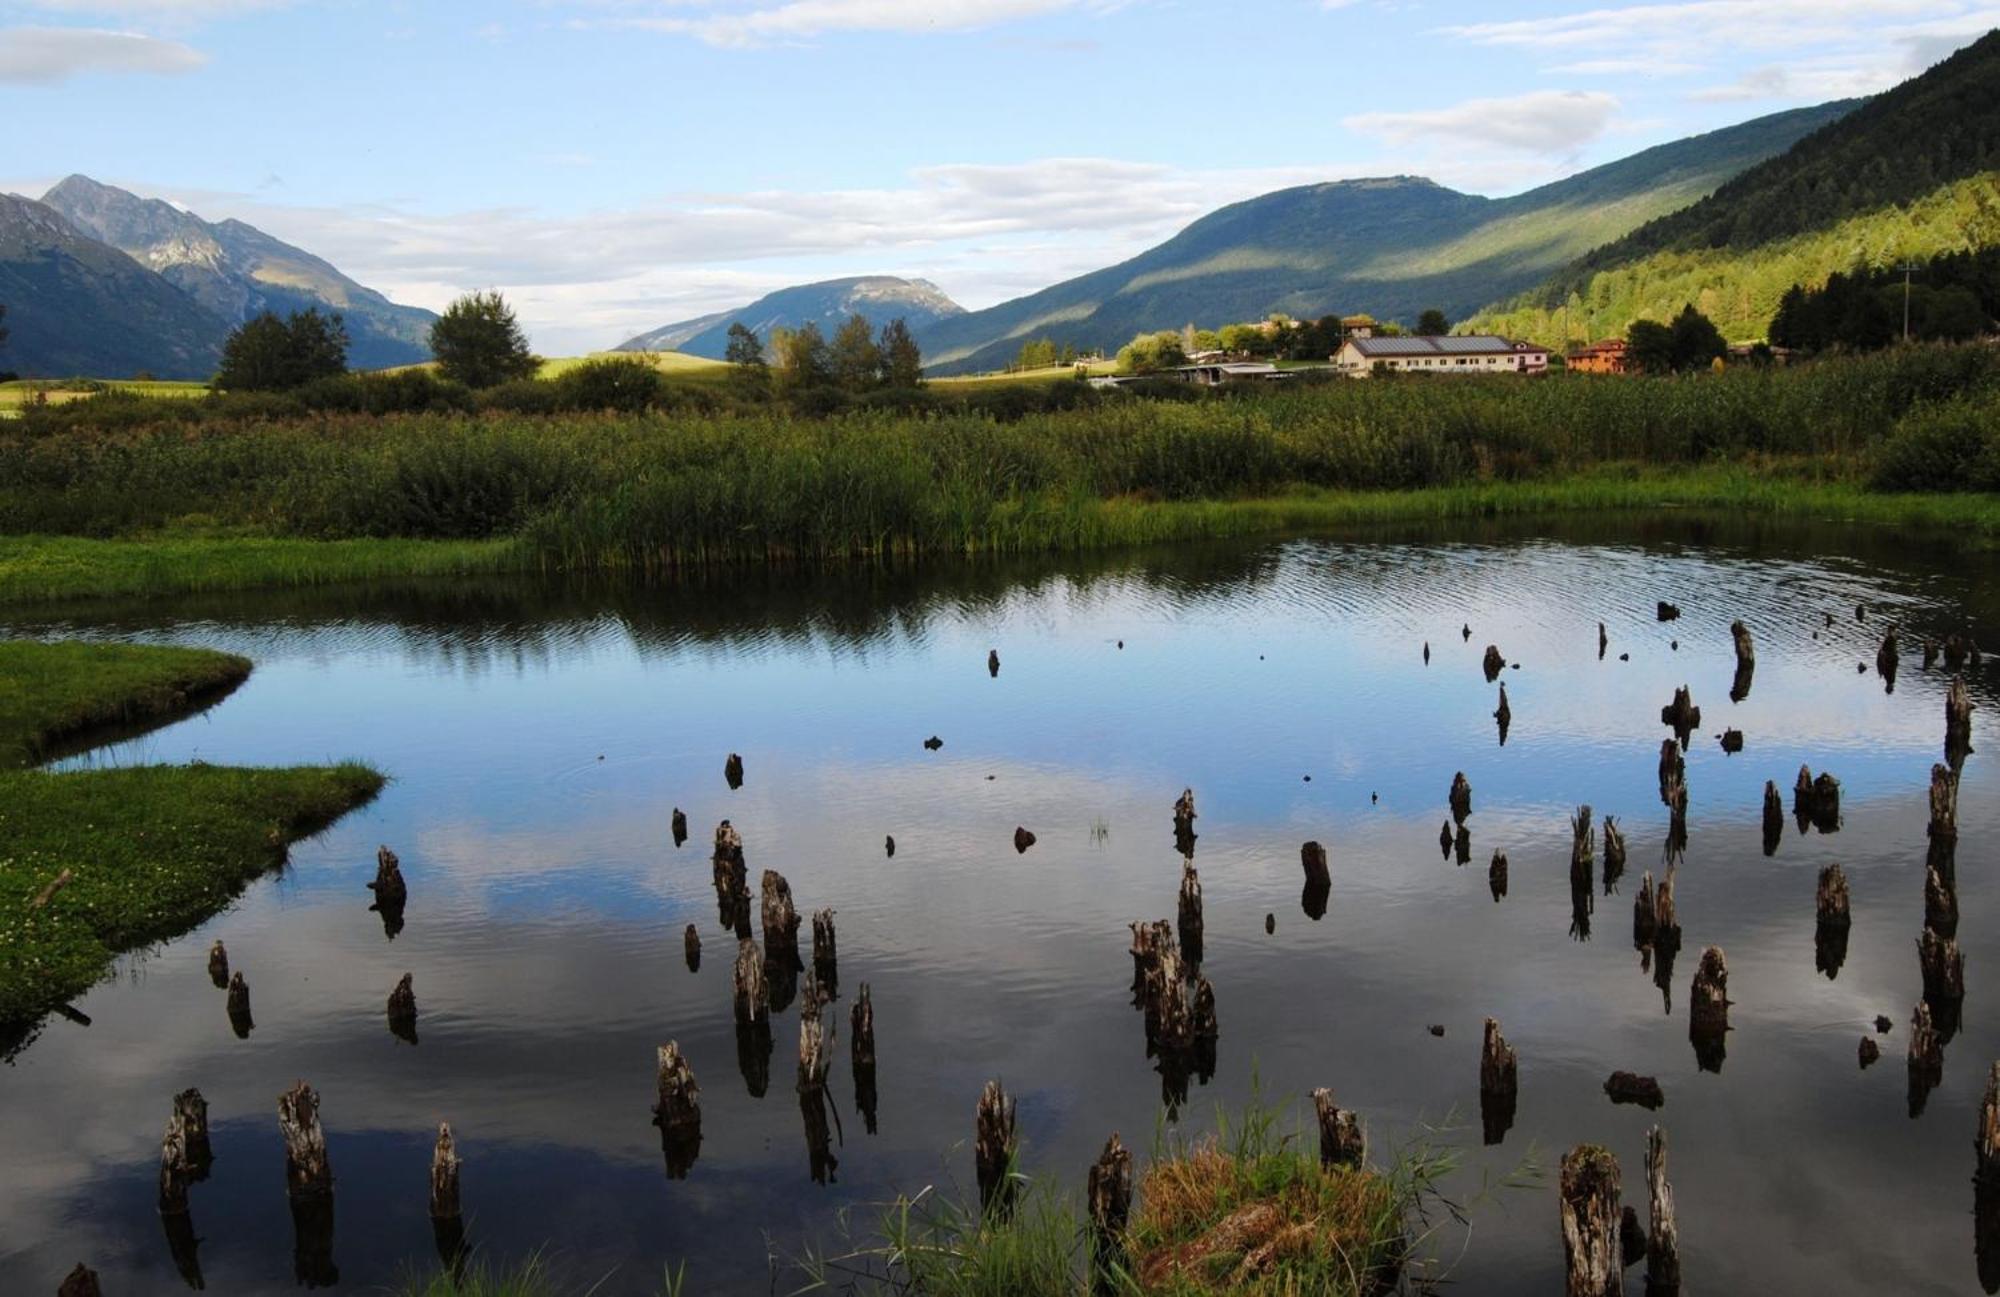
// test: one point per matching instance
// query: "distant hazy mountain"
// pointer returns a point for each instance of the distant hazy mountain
(1912, 173)
(1390, 247)
(76, 306)
(879, 298)
(237, 271)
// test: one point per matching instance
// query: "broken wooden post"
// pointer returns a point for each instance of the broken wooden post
(1940, 903)
(1732, 742)
(1673, 768)
(1667, 612)
(1869, 1052)
(811, 1087)
(1582, 886)
(1603, 641)
(889, 847)
(1645, 916)
(403, 1011)
(1926, 1058)
(1957, 722)
(1888, 657)
(1943, 829)
(191, 1112)
(993, 662)
(1341, 1142)
(1319, 883)
(732, 771)
(933, 743)
(826, 957)
(677, 1111)
(239, 1006)
(752, 997)
(1746, 649)
(861, 1044)
(1630, 1087)
(1504, 715)
(218, 965)
(1499, 1083)
(1109, 1197)
(1831, 901)
(1184, 818)
(1708, 1009)
(80, 1282)
(1663, 1256)
(1681, 715)
(1493, 663)
(732, 880)
(1190, 912)
(993, 1150)
(1022, 840)
(1826, 803)
(307, 1173)
(1944, 971)
(691, 943)
(177, 1167)
(1590, 1223)
(444, 1176)
(389, 888)
(680, 827)
(1461, 846)
(1774, 817)
(1614, 853)
(1461, 797)
(1496, 875)
(1444, 839)
(780, 916)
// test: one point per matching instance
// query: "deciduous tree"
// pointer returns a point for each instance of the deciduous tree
(902, 360)
(478, 342)
(267, 354)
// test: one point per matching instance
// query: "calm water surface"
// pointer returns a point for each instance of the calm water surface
(540, 737)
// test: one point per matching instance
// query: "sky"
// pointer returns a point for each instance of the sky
(614, 165)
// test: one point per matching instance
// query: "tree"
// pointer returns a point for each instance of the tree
(1697, 341)
(478, 342)
(802, 358)
(1242, 339)
(1433, 324)
(902, 361)
(857, 361)
(745, 354)
(1151, 352)
(1649, 347)
(267, 354)
(1950, 313)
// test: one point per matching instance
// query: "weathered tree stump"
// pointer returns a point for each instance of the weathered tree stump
(1109, 1198)
(1461, 797)
(826, 955)
(307, 1172)
(680, 827)
(1493, 663)
(1958, 706)
(861, 1047)
(403, 1010)
(1774, 818)
(1603, 641)
(1667, 934)
(1746, 648)
(218, 965)
(389, 888)
(1496, 875)
(889, 847)
(1944, 970)
(1629, 1087)
(1667, 611)
(1926, 1058)
(1590, 1223)
(1681, 715)
(177, 1165)
(1270, 924)
(80, 1282)
(1957, 648)
(691, 944)
(1663, 1256)
(1673, 767)
(1319, 882)
(1645, 915)
(1940, 903)
(1499, 1083)
(1190, 913)
(933, 743)
(1943, 830)
(780, 916)
(1445, 836)
(444, 1176)
(1184, 817)
(1461, 847)
(993, 1150)
(732, 771)
(1830, 902)
(752, 996)
(1614, 854)
(1732, 742)
(1888, 657)
(1022, 840)
(1816, 801)
(1708, 1009)
(239, 1006)
(1341, 1142)
(677, 1111)
(993, 662)
(191, 1112)
(1504, 715)
(1427, 652)
(1869, 1052)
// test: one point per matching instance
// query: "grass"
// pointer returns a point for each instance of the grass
(535, 1276)
(1245, 1210)
(152, 851)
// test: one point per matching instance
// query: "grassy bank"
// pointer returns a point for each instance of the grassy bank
(1910, 437)
(151, 851)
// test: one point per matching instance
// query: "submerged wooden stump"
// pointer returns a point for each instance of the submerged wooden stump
(677, 1110)
(691, 946)
(1708, 1009)
(1746, 648)
(1630, 1087)
(1614, 853)
(1461, 847)
(1926, 1057)
(1957, 722)
(680, 827)
(752, 997)
(732, 771)
(1774, 818)
(1022, 840)
(993, 1150)
(444, 1176)
(1645, 914)
(1943, 968)
(1445, 836)
(1190, 916)
(826, 955)
(390, 890)
(1888, 657)
(1943, 829)
(1940, 903)
(1986, 1141)
(1732, 742)
(307, 1172)
(861, 1046)
(403, 1010)
(993, 662)
(1588, 1196)
(239, 1006)
(1673, 767)
(1461, 797)
(218, 965)
(80, 1282)
(1341, 1142)
(1603, 641)
(177, 1164)
(1184, 815)
(1499, 1083)
(1319, 882)
(1681, 715)
(1869, 1051)
(1504, 715)
(780, 916)
(1108, 1195)
(1493, 663)
(1830, 902)
(1663, 1257)
(1496, 875)
(1667, 612)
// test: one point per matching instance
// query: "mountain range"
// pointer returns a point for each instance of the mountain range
(877, 298)
(99, 281)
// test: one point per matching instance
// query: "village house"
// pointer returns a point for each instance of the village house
(1476, 353)
(1606, 357)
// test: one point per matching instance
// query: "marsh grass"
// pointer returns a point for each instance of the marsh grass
(534, 1276)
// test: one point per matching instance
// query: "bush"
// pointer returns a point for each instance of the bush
(1953, 446)
(621, 383)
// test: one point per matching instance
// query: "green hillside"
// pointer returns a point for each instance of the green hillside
(1913, 173)
(1390, 247)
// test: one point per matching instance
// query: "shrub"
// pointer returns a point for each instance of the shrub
(621, 383)
(1953, 446)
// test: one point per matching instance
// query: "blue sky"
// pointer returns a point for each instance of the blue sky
(617, 164)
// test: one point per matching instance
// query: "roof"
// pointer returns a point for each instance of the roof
(1605, 347)
(1470, 344)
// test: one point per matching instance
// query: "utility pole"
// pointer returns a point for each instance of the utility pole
(1908, 266)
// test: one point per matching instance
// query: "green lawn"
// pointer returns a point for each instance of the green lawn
(151, 850)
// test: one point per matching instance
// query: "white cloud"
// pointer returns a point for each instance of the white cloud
(158, 10)
(760, 23)
(48, 55)
(1553, 122)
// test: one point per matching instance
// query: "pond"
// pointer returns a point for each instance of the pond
(541, 735)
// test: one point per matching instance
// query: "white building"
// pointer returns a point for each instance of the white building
(1473, 353)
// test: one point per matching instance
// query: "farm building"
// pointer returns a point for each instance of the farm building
(1476, 353)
